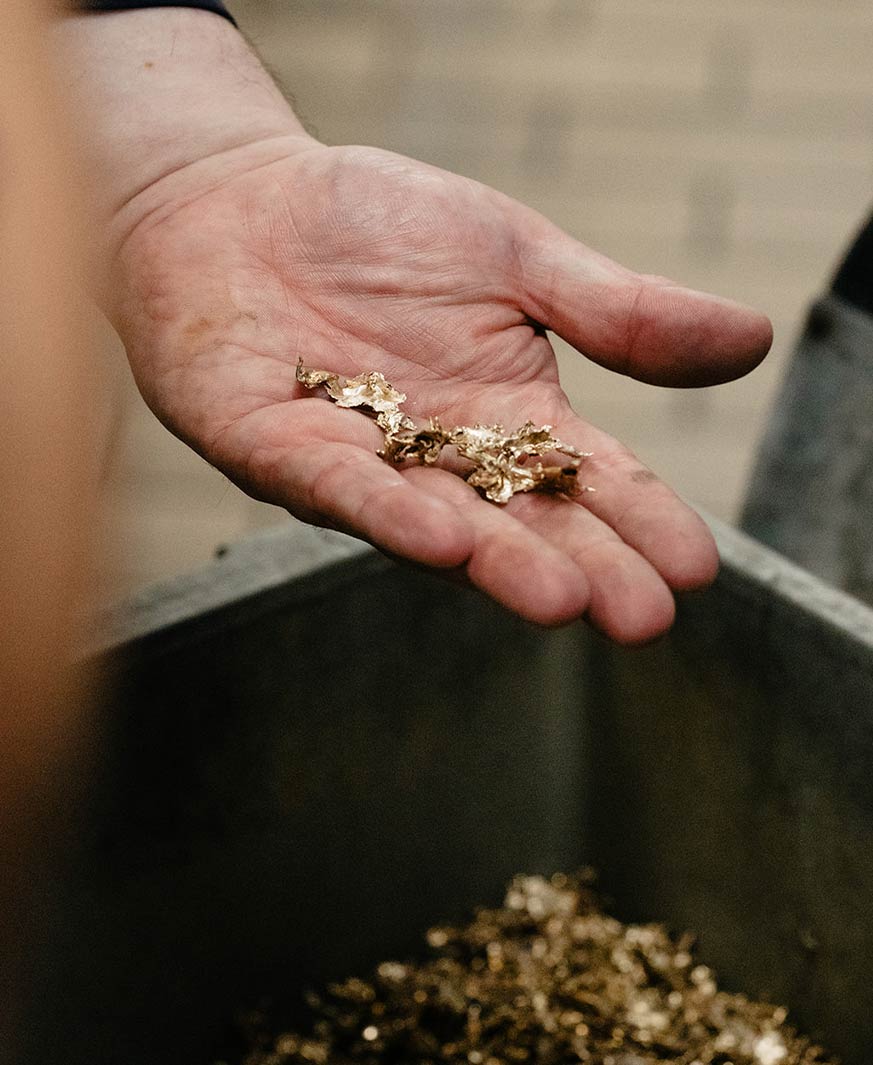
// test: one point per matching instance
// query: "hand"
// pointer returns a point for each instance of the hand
(242, 260)
(355, 259)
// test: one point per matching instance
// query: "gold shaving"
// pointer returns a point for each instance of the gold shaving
(547, 979)
(499, 460)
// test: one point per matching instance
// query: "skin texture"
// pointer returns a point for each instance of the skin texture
(240, 247)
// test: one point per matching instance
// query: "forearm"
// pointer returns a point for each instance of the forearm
(163, 89)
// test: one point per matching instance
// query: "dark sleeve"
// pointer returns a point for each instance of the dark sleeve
(854, 280)
(126, 5)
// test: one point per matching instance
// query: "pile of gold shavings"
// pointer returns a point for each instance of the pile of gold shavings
(499, 460)
(548, 979)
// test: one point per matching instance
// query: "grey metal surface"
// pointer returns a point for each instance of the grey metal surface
(733, 769)
(259, 815)
(294, 783)
(266, 568)
(811, 496)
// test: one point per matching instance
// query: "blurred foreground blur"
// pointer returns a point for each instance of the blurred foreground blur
(47, 486)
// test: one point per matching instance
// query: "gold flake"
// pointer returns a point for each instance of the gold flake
(603, 992)
(500, 465)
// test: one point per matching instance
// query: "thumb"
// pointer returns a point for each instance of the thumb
(645, 327)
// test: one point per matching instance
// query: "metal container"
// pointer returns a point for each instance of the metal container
(257, 815)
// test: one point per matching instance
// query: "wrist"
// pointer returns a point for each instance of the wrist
(166, 90)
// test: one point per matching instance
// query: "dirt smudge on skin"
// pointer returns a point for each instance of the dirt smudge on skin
(643, 476)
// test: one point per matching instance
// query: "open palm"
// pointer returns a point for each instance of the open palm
(356, 259)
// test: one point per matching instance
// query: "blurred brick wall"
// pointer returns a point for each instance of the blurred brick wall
(727, 145)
